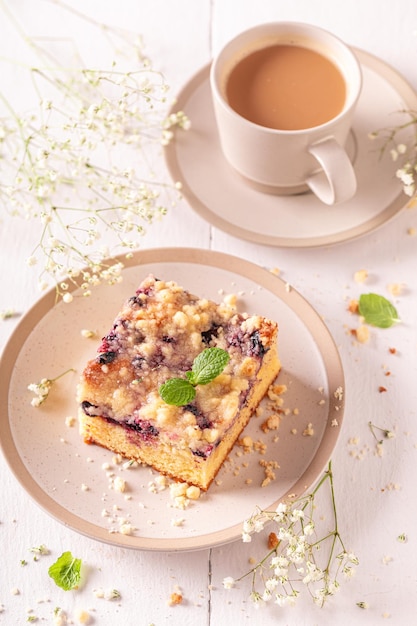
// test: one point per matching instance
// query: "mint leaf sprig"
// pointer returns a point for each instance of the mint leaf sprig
(206, 367)
(377, 310)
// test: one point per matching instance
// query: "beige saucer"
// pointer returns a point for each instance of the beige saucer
(222, 198)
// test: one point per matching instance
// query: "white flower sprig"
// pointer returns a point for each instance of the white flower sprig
(298, 555)
(80, 167)
(402, 153)
(43, 387)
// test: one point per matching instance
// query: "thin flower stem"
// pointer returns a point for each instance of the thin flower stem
(25, 140)
(257, 567)
(70, 369)
(373, 428)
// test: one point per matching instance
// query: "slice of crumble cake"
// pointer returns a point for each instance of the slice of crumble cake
(156, 336)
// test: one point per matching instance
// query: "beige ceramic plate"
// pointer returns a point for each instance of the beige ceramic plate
(219, 195)
(72, 481)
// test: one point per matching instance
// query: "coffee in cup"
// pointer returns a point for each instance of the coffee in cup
(284, 98)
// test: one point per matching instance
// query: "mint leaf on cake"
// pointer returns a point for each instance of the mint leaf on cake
(177, 391)
(206, 367)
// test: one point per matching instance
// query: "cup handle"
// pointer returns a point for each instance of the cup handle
(336, 181)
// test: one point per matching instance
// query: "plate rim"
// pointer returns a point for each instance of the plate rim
(234, 264)
(400, 202)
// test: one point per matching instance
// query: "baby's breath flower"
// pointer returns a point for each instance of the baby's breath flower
(286, 600)
(297, 514)
(267, 595)
(313, 573)
(279, 561)
(258, 525)
(281, 599)
(405, 175)
(64, 165)
(43, 387)
(248, 525)
(257, 599)
(42, 549)
(301, 556)
(7, 314)
(280, 565)
(353, 558)
(348, 571)
(401, 152)
(280, 511)
(271, 583)
(319, 597)
(284, 534)
(228, 582)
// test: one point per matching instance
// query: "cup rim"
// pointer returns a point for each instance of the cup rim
(300, 26)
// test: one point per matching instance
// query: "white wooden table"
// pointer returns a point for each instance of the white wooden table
(376, 495)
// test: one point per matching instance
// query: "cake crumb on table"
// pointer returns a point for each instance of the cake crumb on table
(273, 541)
(395, 289)
(360, 276)
(362, 334)
(83, 617)
(353, 306)
(176, 597)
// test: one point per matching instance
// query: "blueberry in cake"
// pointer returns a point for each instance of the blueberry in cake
(155, 337)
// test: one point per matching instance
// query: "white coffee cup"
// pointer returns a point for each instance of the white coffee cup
(289, 161)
